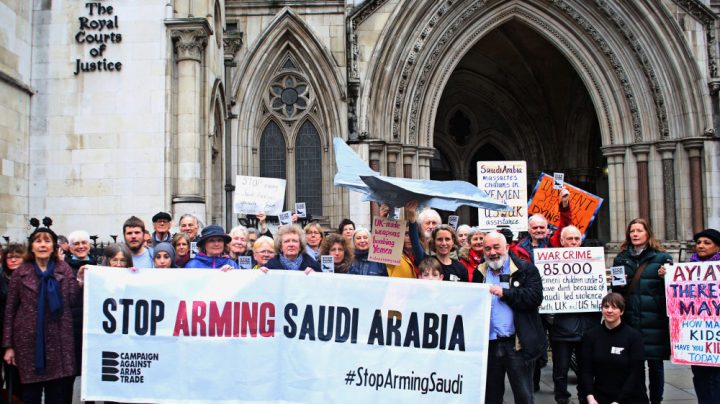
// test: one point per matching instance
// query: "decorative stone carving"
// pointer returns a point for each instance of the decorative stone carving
(190, 43)
(232, 42)
(707, 17)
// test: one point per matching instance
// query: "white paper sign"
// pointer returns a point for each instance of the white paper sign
(193, 249)
(453, 221)
(618, 277)
(245, 336)
(504, 181)
(285, 218)
(327, 263)
(573, 279)
(300, 209)
(559, 180)
(256, 194)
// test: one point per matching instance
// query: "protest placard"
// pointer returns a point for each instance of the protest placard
(301, 210)
(453, 221)
(692, 297)
(618, 276)
(546, 200)
(327, 263)
(559, 179)
(245, 336)
(573, 279)
(245, 262)
(285, 218)
(386, 241)
(504, 181)
(258, 194)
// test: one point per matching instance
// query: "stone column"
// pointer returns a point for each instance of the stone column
(393, 151)
(408, 157)
(667, 152)
(694, 147)
(190, 36)
(425, 154)
(616, 181)
(641, 156)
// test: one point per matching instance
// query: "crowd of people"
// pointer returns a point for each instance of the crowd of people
(42, 281)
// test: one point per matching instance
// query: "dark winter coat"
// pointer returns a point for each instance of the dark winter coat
(645, 308)
(307, 261)
(20, 324)
(361, 266)
(524, 297)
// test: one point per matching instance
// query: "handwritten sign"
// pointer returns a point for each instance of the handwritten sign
(256, 194)
(692, 296)
(386, 241)
(573, 279)
(504, 181)
(546, 200)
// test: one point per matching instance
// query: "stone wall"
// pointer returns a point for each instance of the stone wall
(15, 94)
(98, 138)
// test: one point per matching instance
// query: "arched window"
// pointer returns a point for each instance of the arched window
(308, 169)
(272, 152)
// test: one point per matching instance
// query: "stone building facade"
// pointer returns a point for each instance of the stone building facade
(620, 96)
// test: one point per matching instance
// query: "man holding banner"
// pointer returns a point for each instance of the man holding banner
(514, 320)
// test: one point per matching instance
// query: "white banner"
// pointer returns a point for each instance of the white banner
(256, 194)
(573, 279)
(239, 336)
(504, 181)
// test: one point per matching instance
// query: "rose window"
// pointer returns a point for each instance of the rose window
(289, 96)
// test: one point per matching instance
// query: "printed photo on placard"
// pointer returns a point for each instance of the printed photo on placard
(300, 210)
(245, 262)
(453, 221)
(618, 276)
(285, 218)
(327, 263)
(193, 249)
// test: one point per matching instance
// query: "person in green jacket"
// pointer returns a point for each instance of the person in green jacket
(643, 257)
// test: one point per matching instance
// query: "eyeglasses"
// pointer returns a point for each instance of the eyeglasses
(313, 233)
(13, 257)
(117, 260)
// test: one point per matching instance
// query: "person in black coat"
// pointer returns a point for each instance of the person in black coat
(517, 336)
(613, 369)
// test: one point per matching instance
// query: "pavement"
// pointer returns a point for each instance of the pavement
(678, 386)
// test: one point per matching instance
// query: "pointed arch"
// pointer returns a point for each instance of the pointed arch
(272, 152)
(308, 178)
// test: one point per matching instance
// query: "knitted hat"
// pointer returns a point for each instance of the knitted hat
(168, 248)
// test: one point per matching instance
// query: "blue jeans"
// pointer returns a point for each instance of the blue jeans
(656, 377)
(706, 380)
(561, 353)
(502, 359)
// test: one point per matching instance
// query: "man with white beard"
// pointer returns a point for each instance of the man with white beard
(517, 337)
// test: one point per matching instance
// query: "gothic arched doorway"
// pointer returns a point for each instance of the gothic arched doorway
(514, 96)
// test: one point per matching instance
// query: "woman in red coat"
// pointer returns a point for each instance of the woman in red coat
(44, 354)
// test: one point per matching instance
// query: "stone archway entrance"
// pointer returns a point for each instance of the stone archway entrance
(514, 96)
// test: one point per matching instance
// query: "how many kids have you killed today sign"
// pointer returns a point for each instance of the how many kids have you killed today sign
(212, 336)
(692, 294)
(573, 279)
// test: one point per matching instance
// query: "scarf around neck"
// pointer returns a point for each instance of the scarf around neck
(696, 258)
(292, 265)
(48, 292)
